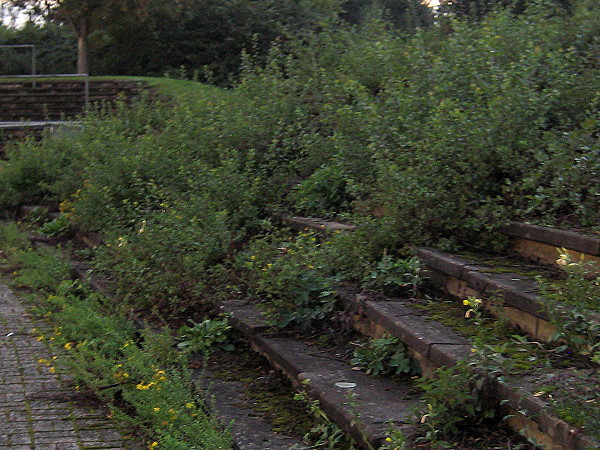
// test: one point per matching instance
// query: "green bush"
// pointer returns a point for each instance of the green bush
(291, 279)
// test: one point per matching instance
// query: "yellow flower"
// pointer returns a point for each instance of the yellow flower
(388, 439)
(52, 369)
(466, 302)
(189, 405)
(156, 409)
(39, 338)
(68, 346)
(152, 445)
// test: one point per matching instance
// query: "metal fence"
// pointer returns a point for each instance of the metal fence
(34, 76)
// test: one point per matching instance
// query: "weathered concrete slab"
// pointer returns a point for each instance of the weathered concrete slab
(316, 224)
(555, 237)
(412, 329)
(366, 410)
(245, 317)
(249, 429)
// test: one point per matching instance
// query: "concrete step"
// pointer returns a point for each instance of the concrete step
(434, 345)
(507, 292)
(545, 244)
(366, 410)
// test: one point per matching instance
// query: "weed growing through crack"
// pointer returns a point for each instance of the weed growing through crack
(386, 355)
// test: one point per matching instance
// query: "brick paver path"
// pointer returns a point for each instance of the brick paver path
(38, 409)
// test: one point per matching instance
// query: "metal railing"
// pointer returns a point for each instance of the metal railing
(34, 76)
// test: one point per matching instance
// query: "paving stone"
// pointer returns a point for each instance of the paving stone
(37, 408)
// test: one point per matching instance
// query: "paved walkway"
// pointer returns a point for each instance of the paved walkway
(39, 409)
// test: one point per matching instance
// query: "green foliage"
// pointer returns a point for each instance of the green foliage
(147, 375)
(291, 279)
(442, 135)
(572, 304)
(456, 398)
(55, 49)
(206, 336)
(325, 433)
(41, 269)
(12, 240)
(56, 227)
(323, 193)
(386, 355)
(395, 275)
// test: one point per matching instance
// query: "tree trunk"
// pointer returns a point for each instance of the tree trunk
(82, 48)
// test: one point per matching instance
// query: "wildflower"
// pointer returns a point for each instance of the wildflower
(68, 346)
(143, 387)
(189, 405)
(52, 369)
(152, 445)
(40, 338)
(466, 303)
(388, 439)
(156, 409)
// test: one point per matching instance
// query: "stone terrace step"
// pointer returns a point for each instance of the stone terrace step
(433, 345)
(365, 411)
(464, 277)
(541, 243)
(312, 223)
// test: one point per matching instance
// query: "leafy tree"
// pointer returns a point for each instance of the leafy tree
(54, 49)
(404, 14)
(81, 15)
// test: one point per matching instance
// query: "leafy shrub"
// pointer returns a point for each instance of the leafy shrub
(205, 336)
(105, 355)
(291, 279)
(41, 269)
(455, 398)
(386, 355)
(394, 275)
(323, 193)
